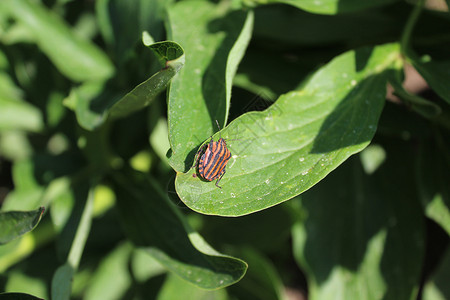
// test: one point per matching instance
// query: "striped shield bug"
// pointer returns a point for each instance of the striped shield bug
(212, 162)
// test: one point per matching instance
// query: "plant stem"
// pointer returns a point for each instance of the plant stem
(412, 20)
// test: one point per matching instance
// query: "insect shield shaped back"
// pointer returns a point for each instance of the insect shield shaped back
(212, 162)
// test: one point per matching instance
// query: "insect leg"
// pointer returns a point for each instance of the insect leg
(221, 175)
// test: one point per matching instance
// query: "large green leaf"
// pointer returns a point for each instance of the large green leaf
(303, 136)
(75, 57)
(331, 7)
(214, 40)
(153, 224)
(361, 236)
(16, 223)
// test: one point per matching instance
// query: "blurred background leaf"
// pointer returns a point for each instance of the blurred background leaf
(433, 186)
(72, 243)
(122, 22)
(17, 223)
(141, 96)
(18, 296)
(175, 288)
(76, 58)
(261, 281)
(357, 236)
(436, 288)
(333, 6)
(155, 226)
(436, 73)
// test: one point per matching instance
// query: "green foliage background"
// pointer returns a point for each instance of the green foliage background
(332, 191)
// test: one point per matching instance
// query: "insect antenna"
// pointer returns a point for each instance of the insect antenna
(220, 134)
(217, 122)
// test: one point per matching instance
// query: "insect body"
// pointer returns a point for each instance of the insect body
(213, 161)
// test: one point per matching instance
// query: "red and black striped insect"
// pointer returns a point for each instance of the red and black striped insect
(211, 164)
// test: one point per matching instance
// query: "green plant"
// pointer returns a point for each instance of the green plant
(331, 188)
